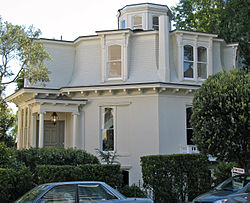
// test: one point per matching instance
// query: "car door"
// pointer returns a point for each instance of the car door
(60, 193)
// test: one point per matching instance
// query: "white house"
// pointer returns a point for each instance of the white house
(128, 90)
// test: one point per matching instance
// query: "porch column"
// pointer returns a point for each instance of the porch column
(74, 130)
(33, 130)
(19, 132)
(41, 130)
(24, 129)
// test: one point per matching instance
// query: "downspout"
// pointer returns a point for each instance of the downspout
(119, 17)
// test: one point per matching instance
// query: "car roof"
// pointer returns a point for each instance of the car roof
(74, 182)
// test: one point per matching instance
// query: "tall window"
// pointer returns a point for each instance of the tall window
(202, 62)
(107, 130)
(188, 61)
(137, 22)
(189, 129)
(114, 61)
(155, 22)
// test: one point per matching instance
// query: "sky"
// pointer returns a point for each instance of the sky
(67, 18)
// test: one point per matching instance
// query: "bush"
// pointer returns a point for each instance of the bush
(7, 155)
(175, 177)
(14, 184)
(222, 171)
(132, 191)
(110, 174)
(55, 156)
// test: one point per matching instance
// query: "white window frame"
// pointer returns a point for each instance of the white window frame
(153, 25)
(138, 26)
(107, 61)
(195, 61)
(114, 126)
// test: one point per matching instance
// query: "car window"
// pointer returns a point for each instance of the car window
(33, 194)
(94, 192)
(61, 193)
(234, 183)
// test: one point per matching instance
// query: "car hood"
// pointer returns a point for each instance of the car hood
(214, 195)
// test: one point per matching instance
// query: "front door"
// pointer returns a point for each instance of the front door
(53, 134)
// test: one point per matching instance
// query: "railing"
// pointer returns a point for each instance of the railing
(188, 149)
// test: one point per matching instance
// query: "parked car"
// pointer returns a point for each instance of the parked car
(77, 192)
(234, 189)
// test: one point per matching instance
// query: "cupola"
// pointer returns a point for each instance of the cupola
(144, 16)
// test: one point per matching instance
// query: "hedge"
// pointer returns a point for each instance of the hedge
(55, 156)
(13, 183)
(111, 174)
(176, 177)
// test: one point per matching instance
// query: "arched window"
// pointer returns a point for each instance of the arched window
(202, 62)
(155, 22)
(114, 62)
(188, 62)
(137, 22)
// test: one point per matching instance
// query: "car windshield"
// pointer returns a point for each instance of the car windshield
(32, 194)
(234, 183)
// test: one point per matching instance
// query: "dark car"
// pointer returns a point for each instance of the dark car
(235, 189)
(81, 192)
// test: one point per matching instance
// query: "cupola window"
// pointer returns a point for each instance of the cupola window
(155, 22)
(137, 22)
(123, 24)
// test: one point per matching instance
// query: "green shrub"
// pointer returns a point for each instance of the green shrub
(13, 183)
(55, 156)
(132, 191)
(7, 155)
(175, 177)
(110, 174)
(222, 171)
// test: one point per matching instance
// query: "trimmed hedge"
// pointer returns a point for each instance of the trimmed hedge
(175, 177)
(55, 156)
(13, 183)
(111, 174)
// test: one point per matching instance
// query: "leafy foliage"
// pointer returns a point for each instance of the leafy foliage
(6, 122)
(110, 174)
(132, 191)
(220, 118)
(228, 19)
(222, 171)
(55, 156)
(23, 45)
(108, 157)
(175, 177)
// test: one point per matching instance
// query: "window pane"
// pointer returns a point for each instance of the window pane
(188, 53)
(155, 22)
(114, 69)
(93, 193)
(138, 22)
(189, 136)
(108, 140)
(114, 52)
(189, 128)
(188, 69)
(123, 24)
(108, 118)
(188, 116)
(63, 193)
(202, 54)
(202, 70)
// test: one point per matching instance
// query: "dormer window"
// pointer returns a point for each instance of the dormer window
(202, 62)
(188, 61)
(195, 62)
(137, 22)
(155, 23)
(114, 63)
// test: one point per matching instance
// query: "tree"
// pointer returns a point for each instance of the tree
(220, 117)
(18, 44)
(7, 120)
(227, 18)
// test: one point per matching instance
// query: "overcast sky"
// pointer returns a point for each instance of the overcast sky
(67, 18)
